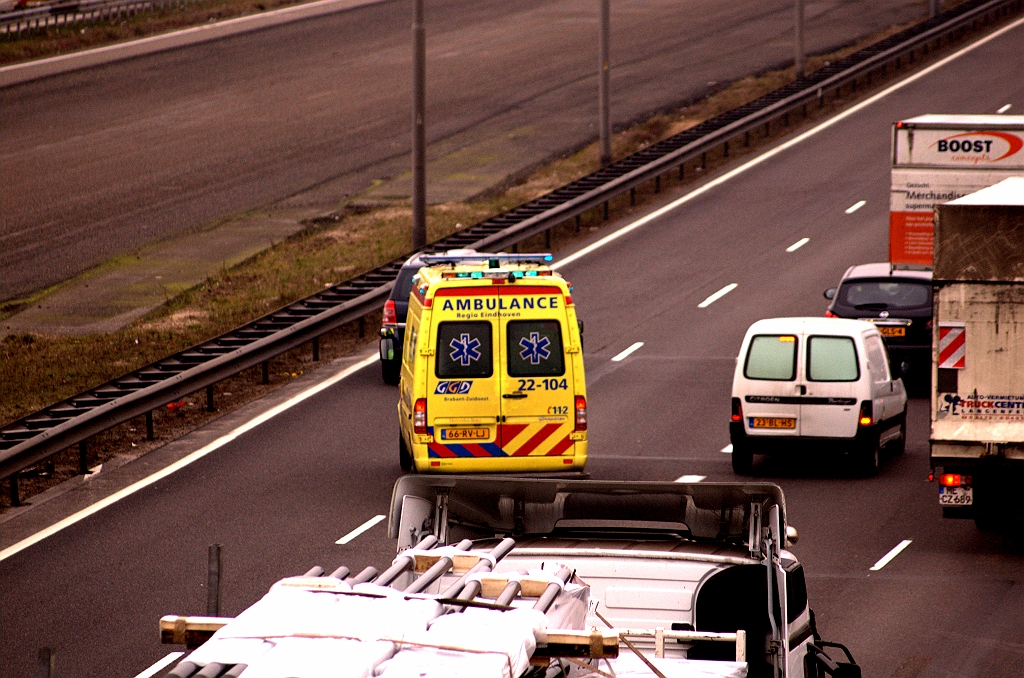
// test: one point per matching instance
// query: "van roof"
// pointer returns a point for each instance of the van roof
(810, 324)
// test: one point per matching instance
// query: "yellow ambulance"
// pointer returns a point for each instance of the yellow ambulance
(492, 368)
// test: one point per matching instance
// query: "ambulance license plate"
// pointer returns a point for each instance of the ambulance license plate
(892, 331)
(956, 496)
(465, 434)
(772, 422)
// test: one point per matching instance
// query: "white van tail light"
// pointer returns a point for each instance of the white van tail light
(419, 416)
(737, 410)
(581, 413)
(390, 316)
(866, 417)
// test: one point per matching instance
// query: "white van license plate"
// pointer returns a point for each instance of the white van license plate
(465, 434)
(956, 496)
(772, 422)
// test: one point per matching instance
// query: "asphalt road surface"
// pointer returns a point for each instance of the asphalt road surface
(99, 162)
(279, 496)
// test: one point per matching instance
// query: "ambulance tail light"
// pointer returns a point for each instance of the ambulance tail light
(390, 315)
(419, 416)
(866, 417)
(581, 413)
(737, 410)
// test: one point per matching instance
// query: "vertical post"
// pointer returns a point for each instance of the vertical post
(316, 349)
(798, 40)
(213, 581)
(46, 662)
(266, 371)
(83, 460)
(362, 327)
(209, 398)
(933, 7)
(419, 140)
(15, 495)
(149, 425)
(604, 121)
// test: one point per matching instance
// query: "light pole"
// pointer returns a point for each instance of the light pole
(419, 140)
(798, 40)
(604, 121)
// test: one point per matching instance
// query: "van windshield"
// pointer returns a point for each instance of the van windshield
(771, 356)
(464, 350)
(832, 359)
(535, 348)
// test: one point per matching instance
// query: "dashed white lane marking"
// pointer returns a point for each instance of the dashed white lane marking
(890, 555)
(185, 461)
(160, 665)
(717, 295)
(359, 530)
(622, 356)
(856, 206)
(690, 479)
(1005, 108)
(798, 244)
(727, 449)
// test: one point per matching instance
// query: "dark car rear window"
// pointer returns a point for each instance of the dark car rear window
(884, 295)
(403, 283)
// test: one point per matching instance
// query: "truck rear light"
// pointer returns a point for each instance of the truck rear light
(866, 417)
(830, 314)
(581, 413)
(419, 416)
(928, 325)
(390, 315)
(737, 410)
(954, 480)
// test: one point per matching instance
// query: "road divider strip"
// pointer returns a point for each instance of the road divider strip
(359, 530)
(887, 558)
(625, 354)
(689, 479)
(727, 449)
(856, 206)
(717, 295)
(798, 244)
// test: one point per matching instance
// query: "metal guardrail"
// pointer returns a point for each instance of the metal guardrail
(32, 439)
(13, 24)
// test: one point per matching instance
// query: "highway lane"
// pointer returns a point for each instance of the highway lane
(279, 497)
(98, 162)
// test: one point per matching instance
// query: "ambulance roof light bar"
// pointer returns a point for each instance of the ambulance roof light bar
(493, 260)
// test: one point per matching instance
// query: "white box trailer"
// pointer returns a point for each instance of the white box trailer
(977, 408)
(938, 158)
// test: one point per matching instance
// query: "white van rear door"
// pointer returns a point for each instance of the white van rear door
(833, 376)
(771, 386)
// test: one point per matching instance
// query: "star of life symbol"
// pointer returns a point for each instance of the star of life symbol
(466, 351)
(535, 348)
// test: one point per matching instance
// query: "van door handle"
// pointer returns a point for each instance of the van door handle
(517, 395)
(802, 389)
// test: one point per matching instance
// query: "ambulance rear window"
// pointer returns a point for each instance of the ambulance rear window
(535, 348)
(464, 350)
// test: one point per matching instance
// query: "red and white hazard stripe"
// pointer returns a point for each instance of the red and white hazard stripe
(952, 339)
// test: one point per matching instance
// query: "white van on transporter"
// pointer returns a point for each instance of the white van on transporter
(815, 383)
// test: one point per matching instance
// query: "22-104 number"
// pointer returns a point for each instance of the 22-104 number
(543, 385)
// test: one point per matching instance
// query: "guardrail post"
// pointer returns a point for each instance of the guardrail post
(632, 198)
(933, 7)
(266, 371)
(362, 327)
(578, 223)
(547, 239)
(47, 662)
(704, 160)
(606, 210)
(725, 150)
(213, 581)
(316, 349)
(15, 498)
(657, 184)
(682, 169)
(83, 458)
(209, 399)
(149, 425)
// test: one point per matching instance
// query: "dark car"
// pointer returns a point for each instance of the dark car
(392, 331)
(899, 302)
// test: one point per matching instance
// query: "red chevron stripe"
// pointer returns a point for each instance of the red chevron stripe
(536, 440)
(561, 447)
(508, 432)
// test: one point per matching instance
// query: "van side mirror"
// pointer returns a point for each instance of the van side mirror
(792, 536)
(830, 293)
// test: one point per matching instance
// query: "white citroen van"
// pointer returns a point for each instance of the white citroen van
(815, 383)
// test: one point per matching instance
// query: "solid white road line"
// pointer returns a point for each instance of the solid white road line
(727, 449)
(622, 356)
(160, 665)
(1005, 108)
(185, 461)
(767, 155)
(717, 295)
(359, 530)
(890, 555)
(798, 244)
(856, 206)
(689, 479)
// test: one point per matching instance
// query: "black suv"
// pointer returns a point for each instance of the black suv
(392, 331)
(899, 302)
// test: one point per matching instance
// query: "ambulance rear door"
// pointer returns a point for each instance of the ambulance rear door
(463, 403)
(537, 395)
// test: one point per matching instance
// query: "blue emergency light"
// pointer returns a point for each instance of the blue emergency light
(493, 260)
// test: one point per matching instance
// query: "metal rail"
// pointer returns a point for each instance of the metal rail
(13, 24)
(32, 439)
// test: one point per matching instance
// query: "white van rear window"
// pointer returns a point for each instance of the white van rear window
(464, 350)
(771, 356)
(832, 359)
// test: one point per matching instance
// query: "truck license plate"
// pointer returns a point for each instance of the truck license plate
(772, 422)
(892, 331)
(956, 496)
(465, 434)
